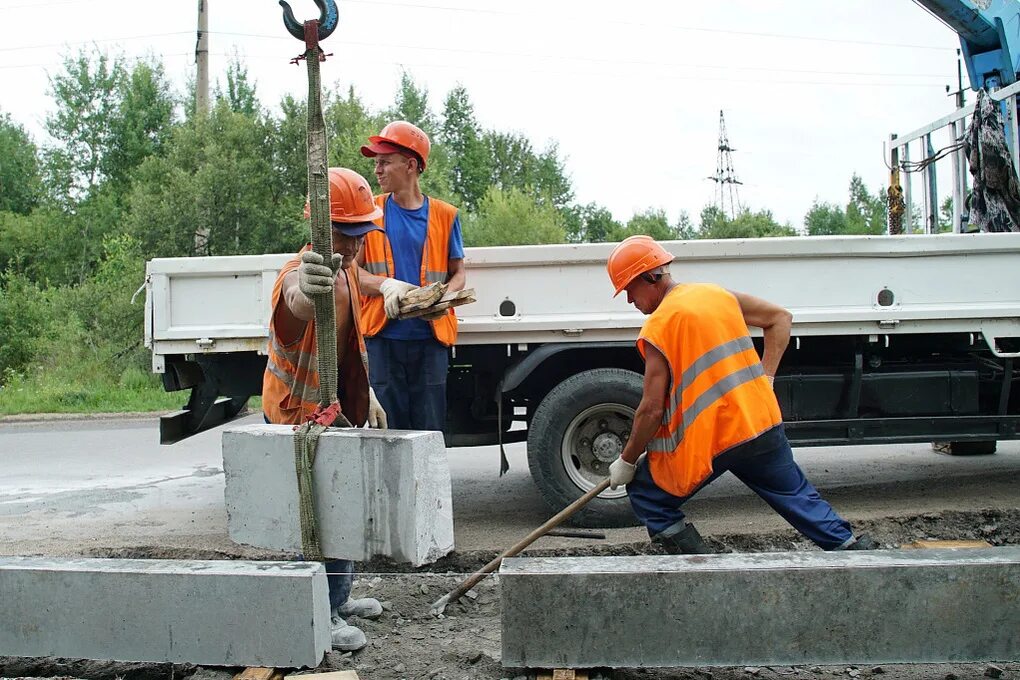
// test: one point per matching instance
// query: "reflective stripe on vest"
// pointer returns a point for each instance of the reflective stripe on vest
(711, 395)
(434, 262)
(290, 385)
(721, 398)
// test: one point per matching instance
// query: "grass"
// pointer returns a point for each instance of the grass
(89, 390)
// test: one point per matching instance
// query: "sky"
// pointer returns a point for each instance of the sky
(630, 91)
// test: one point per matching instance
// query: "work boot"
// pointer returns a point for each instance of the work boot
(864, 542)
(346, 638)
(687, 541)
(364, 607)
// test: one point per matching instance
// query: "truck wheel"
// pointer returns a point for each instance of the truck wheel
(578, 429)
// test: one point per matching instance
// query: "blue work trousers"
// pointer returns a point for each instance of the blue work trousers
(340, 577)
(409, 379)
(765, 465)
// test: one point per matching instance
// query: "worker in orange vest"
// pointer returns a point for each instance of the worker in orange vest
(290, 385)
(421, 244)
(708, 405)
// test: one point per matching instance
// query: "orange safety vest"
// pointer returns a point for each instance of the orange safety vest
(290, 385)
(719, 396)
(434, 262)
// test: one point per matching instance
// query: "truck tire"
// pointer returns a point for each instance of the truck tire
(578, 429)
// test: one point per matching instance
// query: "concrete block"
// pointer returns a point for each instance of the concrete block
(220, 613)
(377, 492)
(908, 606)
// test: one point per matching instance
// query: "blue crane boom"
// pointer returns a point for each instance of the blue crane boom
(989, 33)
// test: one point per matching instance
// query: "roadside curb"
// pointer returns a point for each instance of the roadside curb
(51, 417)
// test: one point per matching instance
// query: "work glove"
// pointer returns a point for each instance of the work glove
(392, 290)
(772, 380)
(315, 278)
(376, 414)
(621, 473)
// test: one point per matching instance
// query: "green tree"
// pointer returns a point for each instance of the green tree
(349, 124)
(747, 224)
(412, 105)
(460, 135)
(240, 93)
(290, 142)
(23, 248)
(825, 219)
(684, 228)
(218, 182)
(19, 168)
(946, 216)
(512, 217)
(865, 214)
(142, 122)
(551, 177)
(513, 163)
(22, 320)
(86, 95)
(590, 223)
(652, 222)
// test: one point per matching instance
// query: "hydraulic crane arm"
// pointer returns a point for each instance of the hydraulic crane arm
(989, 33)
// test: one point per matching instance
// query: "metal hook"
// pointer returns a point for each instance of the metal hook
(328, 18)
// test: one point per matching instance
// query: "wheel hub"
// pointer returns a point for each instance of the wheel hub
(607, 447)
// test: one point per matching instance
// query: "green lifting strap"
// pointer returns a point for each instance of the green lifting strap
(306, 437)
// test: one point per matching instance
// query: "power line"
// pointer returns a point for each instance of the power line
(678, 27)
(35, 5)
(602, 74)
(461, 67)
(94, 40)
(596, 60)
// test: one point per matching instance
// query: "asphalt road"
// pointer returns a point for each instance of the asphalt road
(68, 487)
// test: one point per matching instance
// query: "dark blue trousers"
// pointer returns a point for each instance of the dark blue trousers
(765, 465)
(409, 379)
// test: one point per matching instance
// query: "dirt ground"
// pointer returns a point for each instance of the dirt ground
(408, 642)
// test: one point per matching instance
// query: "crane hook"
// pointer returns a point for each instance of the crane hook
(328, 18)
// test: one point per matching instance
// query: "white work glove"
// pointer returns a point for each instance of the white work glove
(315, 278)
(621, 473)
(772, 380)
(392, 290)
(376, 414)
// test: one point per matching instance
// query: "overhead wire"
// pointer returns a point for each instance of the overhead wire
(659, 26)
(596, 60)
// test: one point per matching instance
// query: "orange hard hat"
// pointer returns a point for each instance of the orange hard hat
(350, 198)
(633, 257)
(399, 137)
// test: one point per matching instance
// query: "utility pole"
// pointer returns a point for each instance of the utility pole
(202, 60)
(202, 101)
(725, 178)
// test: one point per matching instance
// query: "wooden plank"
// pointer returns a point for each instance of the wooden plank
(259, 673)
(562, 674)
(421, 298)
(927, 545)
(334, 675)
(461, 297)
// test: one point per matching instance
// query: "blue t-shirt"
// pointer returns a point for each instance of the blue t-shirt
(405, 230)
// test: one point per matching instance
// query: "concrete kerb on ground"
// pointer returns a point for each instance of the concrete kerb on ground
(219, 613)
(766, 609)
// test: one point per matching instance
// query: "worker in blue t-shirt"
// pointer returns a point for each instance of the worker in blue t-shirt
(421, 244)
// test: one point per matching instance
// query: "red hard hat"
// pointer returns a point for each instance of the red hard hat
(633, 257)
(350, 198)
(404, 136)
